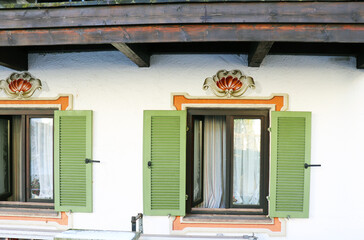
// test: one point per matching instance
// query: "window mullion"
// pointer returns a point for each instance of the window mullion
(23, 159)
(27, 159)
(229, 162)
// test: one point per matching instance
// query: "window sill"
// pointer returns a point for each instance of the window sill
(27, 209)
(228, 219)
(229, 224)
(229, 211)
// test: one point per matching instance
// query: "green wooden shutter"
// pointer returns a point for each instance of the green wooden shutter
(290, 150)
(164, 187)
(72, 176)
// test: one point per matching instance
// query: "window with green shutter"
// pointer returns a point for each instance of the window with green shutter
(42, 159)
(165, 163)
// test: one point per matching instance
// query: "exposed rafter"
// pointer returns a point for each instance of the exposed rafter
(258, 52)
(360, 61)
(138, 56)
(14, 57)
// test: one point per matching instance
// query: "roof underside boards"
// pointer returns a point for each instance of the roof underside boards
(139, 30)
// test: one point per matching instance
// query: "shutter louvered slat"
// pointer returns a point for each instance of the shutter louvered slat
(286, 134)
(164, 146)
(75, 132)
(289, 192)
(73, 176)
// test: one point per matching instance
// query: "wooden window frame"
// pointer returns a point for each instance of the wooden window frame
(230, 114)
(10, 162)
(191, 170)
(26, 115)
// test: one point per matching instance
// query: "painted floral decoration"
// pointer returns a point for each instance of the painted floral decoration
(20, 85)
(229, 83)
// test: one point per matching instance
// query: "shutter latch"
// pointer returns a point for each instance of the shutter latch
(91, 161)
(186, 197)
(312, 165)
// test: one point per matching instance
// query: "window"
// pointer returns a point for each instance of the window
(43, 160)
(165, 163)
(27, 155)
(227, 161)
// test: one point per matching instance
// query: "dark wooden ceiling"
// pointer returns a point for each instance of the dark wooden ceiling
(141, 30)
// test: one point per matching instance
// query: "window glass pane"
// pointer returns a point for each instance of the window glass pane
(197, 168)
(4, 159)
(41, 158)
(246, 176)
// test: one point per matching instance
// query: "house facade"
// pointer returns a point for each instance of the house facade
(210, 119)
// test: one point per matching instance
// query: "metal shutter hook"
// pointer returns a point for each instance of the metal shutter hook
(312, 165)
(91, 161)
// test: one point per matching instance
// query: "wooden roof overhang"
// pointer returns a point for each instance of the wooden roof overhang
(139, 30)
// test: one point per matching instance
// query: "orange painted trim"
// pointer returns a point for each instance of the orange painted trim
(179, 100)
(275, 227)
(64, 101)
(63, 220)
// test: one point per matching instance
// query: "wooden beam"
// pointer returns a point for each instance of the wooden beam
(360, 58)
(14, 57)
(185, 13)
(339, 33)
(258, 52)
(360, 61)
(139, 57)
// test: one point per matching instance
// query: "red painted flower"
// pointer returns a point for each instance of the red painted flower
(18, 85)
(229, 83)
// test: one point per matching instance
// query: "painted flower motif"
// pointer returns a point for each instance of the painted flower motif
(229, 83)
(20, 85)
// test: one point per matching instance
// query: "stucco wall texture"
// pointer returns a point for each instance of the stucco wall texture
(118, 91)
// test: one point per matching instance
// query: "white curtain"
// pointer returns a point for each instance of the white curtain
(214, 162)
(246, 161)
(41, 143)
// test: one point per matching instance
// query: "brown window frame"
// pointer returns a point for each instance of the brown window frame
(230, 114)
(8, 194)
(26, 115)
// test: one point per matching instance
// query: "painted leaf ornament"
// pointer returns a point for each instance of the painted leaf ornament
(20, 85)
(229, 83)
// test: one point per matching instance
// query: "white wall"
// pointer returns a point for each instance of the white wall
(118, 92)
